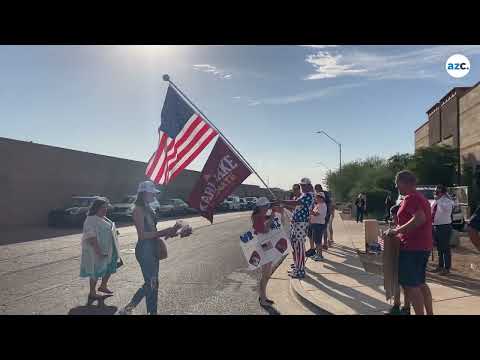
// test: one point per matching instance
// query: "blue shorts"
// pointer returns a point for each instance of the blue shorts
(412, 266)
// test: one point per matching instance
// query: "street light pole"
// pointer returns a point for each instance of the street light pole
(339, 147)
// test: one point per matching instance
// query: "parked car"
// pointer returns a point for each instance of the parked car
(124, 209)
(458, 220)
(223, 206)
(73, 214)
(251, 201)
(174, 207)
(243, 204)
(233, 203)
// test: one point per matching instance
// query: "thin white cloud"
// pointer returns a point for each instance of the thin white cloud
(291, 99)
(213, 70)
(412, 64)
(329, 66)
(236, 97)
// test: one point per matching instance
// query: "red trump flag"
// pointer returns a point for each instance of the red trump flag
(222, 173)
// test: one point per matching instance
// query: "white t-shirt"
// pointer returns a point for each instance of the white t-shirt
(443, 214)
(321, 208)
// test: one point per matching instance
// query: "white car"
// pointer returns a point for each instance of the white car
(458, 221)
(233, 202)
(124, 209)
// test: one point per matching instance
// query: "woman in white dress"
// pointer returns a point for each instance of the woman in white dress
(100, 250)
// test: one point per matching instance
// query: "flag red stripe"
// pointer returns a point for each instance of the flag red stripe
(192, 143)
(164, 174)
(156, 158)
(167, 164)
(162, 167)
(190, 129)
(174, 158)
(185, 137)
(162, 170)
(195, 153)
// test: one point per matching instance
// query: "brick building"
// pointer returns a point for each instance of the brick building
(454, 121)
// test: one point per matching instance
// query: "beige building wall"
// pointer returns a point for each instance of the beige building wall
(470, 127)
(449, 142)
(422, 137)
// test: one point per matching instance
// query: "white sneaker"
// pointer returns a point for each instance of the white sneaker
(126, 311)
(317, 257)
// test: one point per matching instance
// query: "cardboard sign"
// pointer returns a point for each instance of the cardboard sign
(260, 249)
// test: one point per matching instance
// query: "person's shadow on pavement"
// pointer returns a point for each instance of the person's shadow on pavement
(271, 310)
(100, 309)
(93, 310)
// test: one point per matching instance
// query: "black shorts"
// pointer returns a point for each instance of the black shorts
(412, 266)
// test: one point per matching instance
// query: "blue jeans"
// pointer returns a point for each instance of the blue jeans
(360, 212)
(146, 253)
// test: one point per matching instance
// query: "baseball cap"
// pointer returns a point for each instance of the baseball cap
(305, 181)
(147, 186)
(262, 201)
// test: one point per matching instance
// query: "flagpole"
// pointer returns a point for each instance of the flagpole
(167, 79)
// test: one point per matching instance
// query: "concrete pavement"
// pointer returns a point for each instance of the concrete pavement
(204, 274)
(340, 286)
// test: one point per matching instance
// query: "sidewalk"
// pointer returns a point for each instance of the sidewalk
(340, 286)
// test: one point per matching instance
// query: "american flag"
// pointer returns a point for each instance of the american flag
(183, 134)
(380, 241)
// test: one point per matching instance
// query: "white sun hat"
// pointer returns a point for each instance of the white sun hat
(147, 186)
(305, 181)
(262, 201)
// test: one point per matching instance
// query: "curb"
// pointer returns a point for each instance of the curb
(305, 299)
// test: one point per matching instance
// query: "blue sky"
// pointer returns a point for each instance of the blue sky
(268, 100)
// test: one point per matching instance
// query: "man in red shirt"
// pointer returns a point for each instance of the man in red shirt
(415, 234)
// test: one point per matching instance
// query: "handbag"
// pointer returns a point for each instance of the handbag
(162, 250)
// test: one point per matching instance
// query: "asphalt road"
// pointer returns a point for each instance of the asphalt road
(204, 274)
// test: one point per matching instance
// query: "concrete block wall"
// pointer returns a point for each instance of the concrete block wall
(36, 178)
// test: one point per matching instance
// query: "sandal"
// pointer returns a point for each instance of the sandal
(105, 290)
